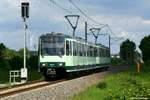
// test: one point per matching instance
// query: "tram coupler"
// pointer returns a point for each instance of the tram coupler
(51, 71)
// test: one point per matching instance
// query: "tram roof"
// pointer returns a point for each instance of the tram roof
(71, 37)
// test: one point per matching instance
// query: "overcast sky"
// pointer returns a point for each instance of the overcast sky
(127, 18)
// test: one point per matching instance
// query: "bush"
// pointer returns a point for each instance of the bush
(33, 62)
(117, 61)
(101, 85)
(16, 62)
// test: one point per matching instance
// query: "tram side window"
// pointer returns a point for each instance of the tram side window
(105, 52)
(80, 49)
(74, 49)
(102, 54)
(95, 52)
(90, 51)
(77, 49)
(108, 53)
(99, 52)
(85, 49)
(80, 52)
(67, 48)
(70, 48)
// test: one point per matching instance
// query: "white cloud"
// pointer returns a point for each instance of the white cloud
(124, 34)
(146, 22)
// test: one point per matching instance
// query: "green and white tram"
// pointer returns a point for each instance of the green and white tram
(59, 53)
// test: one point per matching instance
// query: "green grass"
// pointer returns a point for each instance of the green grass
(119, 86)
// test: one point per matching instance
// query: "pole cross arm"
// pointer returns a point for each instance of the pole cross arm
(73, 26)
(93, 31)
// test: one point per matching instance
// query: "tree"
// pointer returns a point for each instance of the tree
(145, 48)
(2, 49)
(127, 50)
(21, 52)
(10, 53)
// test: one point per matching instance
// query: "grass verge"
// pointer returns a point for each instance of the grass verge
(120, 86)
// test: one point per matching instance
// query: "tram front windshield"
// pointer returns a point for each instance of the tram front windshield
(52, 45)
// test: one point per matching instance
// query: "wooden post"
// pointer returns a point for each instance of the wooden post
(138, 67)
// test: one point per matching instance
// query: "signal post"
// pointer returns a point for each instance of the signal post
(25, 16)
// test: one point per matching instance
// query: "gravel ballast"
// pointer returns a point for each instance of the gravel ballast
(59, 91)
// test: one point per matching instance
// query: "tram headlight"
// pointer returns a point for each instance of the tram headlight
(60, 64)
(43, 64)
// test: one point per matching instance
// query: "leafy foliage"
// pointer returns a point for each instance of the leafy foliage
(102, 85)
(11, 59)
(16, 62)
(2, 49)
(145, 48)
(33, 61)
(117, 61)
(21, 52)
(127, 50)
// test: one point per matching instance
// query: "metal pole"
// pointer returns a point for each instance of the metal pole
(109, 41)
(74, 31)
(25, 27)
(86, 31)
(96, 37)
(109, 46)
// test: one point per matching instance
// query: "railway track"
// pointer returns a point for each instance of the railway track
(4, 92)
(8, 91)
(12, 90)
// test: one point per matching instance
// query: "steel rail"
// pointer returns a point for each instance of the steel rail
(26, 87)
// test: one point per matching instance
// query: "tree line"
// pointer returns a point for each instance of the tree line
(12, 59)
(128, 50)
